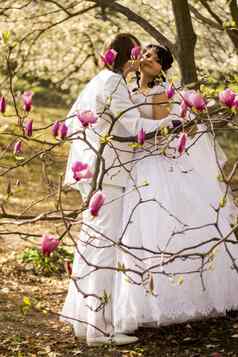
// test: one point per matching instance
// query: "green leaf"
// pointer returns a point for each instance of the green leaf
(105, 139)
(135, 145)
(146, 183)
(106, 297)
(222, 202)
(19, 158)
(121, 267)
(151, 284)
(180, 280)
(6, 36)
(164, 131)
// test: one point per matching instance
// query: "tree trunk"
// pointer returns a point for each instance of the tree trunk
(186, 41)
(233, 33)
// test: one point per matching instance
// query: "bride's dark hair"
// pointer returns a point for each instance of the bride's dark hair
(123, 44)
(165, 58)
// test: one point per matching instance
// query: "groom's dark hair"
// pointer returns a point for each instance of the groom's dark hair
(123, 44)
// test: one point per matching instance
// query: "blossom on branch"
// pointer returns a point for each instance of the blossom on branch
(55, 128)
(17, 147)
(198, 102)
(63, 130)
(96, 202)
(183, 109)
(187, 96)
(81, 171)
(182, 143)
(141, 137)
(28, 128)
(2, 105)
(136, 53)
(235, 103)
(192, 99)
(86, 118)
(109, 57)
(170, 91)
(27, 101)
(48, 244)
(227, 97)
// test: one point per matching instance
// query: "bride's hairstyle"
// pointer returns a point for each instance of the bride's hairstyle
(164, 55)
(165, 58)
(123, 44)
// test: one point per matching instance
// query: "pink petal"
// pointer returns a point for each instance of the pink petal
(96, 203)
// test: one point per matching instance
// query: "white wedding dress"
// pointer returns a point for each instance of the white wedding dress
(175, 211)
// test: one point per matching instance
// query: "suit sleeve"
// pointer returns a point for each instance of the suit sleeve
(117, 97)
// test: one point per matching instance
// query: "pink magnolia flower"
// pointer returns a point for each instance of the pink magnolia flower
(28, 128)
(109, 56)
(141, 136)
(27, 101)
(183, 109)
(48, 244)
(17, 147)
(136, 53)
(55, 128)
(187, 97)
(182, 143)
(2, 105)
(63, 130)
(198, 101)
(96, 202)
(193, 99)
(170, 91)
(81, 171)
(227, 97)
(86, 118)
(235, 102)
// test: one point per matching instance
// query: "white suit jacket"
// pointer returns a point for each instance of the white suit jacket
(106, 88)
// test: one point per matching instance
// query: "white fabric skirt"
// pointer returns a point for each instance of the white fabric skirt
(172, 280)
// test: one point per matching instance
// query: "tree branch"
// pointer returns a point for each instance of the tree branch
(211, 12)
(204, 19)
(143, 23)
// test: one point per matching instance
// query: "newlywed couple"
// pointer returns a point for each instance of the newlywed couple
(146, 258)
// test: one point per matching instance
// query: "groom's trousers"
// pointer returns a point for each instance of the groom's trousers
(91, 292)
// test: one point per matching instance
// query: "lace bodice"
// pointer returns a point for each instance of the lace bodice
(146, 110)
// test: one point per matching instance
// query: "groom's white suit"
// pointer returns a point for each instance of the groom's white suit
(107, 90)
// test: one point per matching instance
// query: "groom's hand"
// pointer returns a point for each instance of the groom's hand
(191, 130)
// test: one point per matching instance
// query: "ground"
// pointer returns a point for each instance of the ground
(29, 324)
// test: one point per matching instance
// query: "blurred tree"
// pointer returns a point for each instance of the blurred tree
(59, 42)
(186, 41)
(227, 24)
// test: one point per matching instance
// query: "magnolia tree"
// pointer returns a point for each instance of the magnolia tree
(25, 143)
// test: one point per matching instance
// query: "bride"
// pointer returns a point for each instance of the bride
(176, 264)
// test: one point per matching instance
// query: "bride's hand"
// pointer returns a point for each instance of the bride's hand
(133, 65)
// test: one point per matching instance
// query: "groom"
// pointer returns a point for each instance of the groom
(106, 93)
